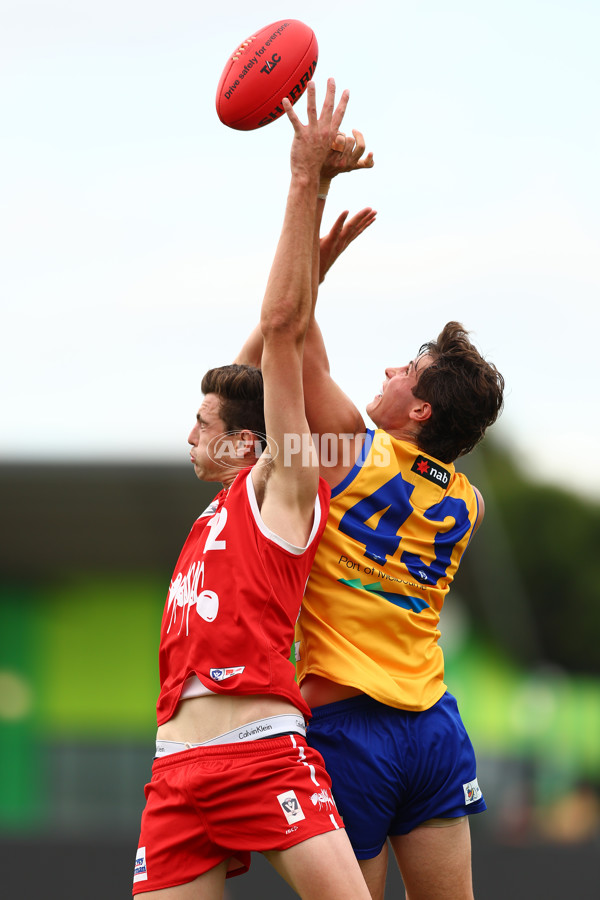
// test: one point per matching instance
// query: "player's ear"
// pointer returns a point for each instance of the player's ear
(421, 412)
(247, 445)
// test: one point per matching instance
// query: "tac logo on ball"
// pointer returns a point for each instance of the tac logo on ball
(228, 448)
(275, 62)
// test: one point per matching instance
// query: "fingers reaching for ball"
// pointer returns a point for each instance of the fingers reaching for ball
(313, 140)
(321, 142)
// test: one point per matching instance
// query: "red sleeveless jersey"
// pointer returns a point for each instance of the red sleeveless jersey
(233, 602)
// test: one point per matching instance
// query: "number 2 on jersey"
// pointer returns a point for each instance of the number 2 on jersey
(216, 526)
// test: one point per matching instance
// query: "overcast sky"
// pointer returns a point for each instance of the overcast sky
(136, 231)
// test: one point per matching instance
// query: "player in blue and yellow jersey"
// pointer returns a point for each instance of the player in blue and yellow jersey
(368, 660)
(368, 657)
(369, 663)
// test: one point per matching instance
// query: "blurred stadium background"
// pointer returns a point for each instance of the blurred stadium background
(85, 560)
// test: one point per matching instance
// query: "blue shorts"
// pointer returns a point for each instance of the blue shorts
(392, 769)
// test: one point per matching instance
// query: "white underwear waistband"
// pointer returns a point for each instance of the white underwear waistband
(262, 728)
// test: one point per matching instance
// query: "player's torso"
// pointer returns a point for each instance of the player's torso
(232, 604)
(397, 528)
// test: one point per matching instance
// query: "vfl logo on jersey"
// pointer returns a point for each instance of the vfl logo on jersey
(431, 471)
(323, 800)
(222, 674)
(140, 872)
(472, 792)
(291, 807)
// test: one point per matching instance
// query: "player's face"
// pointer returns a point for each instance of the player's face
(209, 425)
(391, 407)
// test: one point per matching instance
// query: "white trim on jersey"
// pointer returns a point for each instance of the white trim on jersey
(193, 687)
(270, 535)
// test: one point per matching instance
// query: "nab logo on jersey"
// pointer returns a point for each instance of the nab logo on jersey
(426, 468)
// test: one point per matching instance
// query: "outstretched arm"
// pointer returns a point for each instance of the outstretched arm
(328, 409)
(346, 154)
(286, 485)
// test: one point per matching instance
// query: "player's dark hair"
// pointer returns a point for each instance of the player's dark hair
(464, 390)
(241, 396)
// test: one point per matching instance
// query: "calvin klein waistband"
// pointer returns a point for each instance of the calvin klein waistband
(271, 727)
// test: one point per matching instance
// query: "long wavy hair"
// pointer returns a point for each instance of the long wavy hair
(465, 392)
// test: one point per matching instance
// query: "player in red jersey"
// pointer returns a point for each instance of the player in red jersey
(233, 773)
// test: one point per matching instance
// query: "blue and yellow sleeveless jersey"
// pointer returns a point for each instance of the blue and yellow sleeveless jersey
(397, 528)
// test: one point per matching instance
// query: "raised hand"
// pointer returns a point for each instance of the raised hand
(341, 235)
(312, 142)
(346, 155)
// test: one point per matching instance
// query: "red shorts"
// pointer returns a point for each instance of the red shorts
(210, 804)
